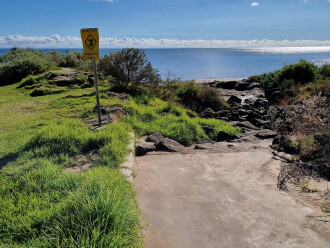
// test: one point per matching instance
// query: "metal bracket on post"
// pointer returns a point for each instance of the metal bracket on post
(97, 95)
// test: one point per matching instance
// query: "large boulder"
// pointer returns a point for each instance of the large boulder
(164, 144)
(169, 145)
(260, 103)
(234, 99)
(143, 147)
(224, 136)
(155, 138)
(242, 86)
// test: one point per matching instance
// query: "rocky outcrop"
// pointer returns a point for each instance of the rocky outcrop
(157, 142)
(143, 147)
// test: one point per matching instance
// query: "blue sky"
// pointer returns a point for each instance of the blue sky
(221, 20)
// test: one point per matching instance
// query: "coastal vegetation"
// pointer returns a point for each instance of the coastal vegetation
(61, 184)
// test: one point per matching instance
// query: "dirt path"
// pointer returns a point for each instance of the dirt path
(222, 197)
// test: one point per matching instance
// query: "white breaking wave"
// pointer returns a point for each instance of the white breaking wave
(56, 41)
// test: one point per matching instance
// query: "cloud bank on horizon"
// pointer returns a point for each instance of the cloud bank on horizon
(56, 41)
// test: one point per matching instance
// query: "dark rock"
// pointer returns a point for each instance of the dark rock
(253, 115)
(230, 85)
(155, 138)
(242, 86)
(169, 145)
(111, 110)
(248, 101)
(223, 113)
(208, 113)
(234, 116)
(208, 130)
(266, 134)
(259, 103)
(259, 123)
(164, 144)
(121, 96)
(233, 99)
(242, 112)
(243, 124)
(143, 147)
(104, 119)
(223, 136)
(275, 97)
(255, 85)
(200, 147)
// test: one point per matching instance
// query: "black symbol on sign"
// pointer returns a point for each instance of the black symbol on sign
(90, 42)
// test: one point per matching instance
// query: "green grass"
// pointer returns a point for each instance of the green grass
(172, 121)
(42, 204)
(305, 187)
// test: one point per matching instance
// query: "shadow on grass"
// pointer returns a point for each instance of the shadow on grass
(8, 158)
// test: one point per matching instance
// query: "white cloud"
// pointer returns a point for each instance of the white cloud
(254, 4)
(56, 41)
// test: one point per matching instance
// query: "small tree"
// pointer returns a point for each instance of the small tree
(129, 66)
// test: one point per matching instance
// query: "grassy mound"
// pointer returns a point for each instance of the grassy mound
(43, 205)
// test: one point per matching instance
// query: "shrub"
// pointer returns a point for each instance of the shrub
(19, 63)
(324, 71)
(197, 98)
(129, 66)
(303, 72)
(69, 59)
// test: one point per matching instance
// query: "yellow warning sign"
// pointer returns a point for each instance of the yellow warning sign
(90, 40)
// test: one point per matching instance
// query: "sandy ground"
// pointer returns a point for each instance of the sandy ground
(222, 197)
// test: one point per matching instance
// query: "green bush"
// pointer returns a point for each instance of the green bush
(197, 98)
(129, 66)
(19, 63)
(68, 59)
(290, 75)
(303, 72)
(324, 71)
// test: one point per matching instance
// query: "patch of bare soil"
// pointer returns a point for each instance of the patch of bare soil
(81, 163)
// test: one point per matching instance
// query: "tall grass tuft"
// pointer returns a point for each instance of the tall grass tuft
(43, 205)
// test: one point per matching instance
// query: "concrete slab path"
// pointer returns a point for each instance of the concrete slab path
(221, 199)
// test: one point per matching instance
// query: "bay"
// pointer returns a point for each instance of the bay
(204, 63)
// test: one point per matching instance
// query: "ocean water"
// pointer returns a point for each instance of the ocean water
(203, 63)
